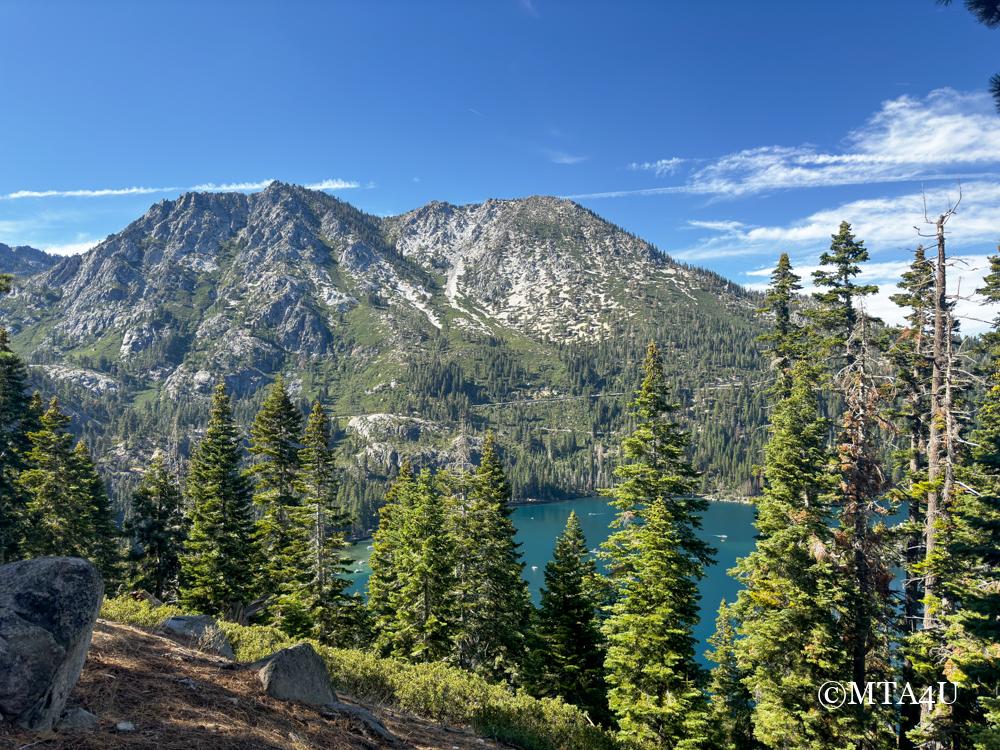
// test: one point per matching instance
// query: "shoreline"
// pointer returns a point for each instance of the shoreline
(712, 499)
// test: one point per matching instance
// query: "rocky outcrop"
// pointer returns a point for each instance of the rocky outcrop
(201, 631)
(48, 607)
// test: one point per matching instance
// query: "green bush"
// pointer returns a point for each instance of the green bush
(254, 642)
(435, 691)
(142, 613)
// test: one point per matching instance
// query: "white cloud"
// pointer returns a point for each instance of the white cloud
(946, 135)
(71, 248)
(885, 223)
(85, 193)
(728, 227)
(333, 185)
(328, 184)
(660, 167)
(230, 187)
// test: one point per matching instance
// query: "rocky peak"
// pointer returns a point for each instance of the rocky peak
(23, 260)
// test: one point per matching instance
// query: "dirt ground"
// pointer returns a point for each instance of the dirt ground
(180, 699)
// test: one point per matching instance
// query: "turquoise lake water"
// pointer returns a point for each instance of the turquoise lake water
(727, 526)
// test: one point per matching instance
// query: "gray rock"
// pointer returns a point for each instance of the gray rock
(297, 674)
(47, 611)
(202, 631)
(124, 726)
(76, 718)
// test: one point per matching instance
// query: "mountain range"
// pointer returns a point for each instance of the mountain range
(418, 331)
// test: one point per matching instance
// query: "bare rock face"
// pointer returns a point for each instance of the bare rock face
(297, 674)
(48, 607)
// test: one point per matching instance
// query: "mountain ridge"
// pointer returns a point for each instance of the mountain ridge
(429, 315)
(24, 259)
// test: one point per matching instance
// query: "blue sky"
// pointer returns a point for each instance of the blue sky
(723, 132)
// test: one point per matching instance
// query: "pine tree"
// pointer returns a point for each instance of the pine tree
(156, 530)
(58, 512)
(423, 626)
(732, 706)
(101, 540)
(789, 638)
(837, 314)
(333, 617)
(785, 337)
(491, 594)
(864, 546)
(220, 561)
(388, 558)
(274, 448)
(655, 560)
(910, 357)
(14, 446)
(570, 647)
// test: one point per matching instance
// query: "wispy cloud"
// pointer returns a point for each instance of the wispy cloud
(660, 167)
(333, 185)
(945, 135)
(230, 187)
(561, 157)
(328, 184)
(86, 193)
(888, 223)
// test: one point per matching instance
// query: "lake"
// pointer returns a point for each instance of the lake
(727, 526)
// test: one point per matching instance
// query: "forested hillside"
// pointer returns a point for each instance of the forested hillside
(417, 332)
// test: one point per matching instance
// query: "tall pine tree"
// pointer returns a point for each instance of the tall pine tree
(789, 634)
(837, 313)
(274, 448)
(102, 534)
(655, 560)
(910, 357)
(570, 646)
(15, 423)
(423, 626)
(732, 706)
(220, 561)
(388, 558)
(156, 530)
(493, 604)
(784, 340)
(333, 617)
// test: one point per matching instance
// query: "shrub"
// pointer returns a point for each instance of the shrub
(137, 612)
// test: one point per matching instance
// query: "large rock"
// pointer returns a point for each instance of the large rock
(47, 611)
(200, 630)
(297, 674)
